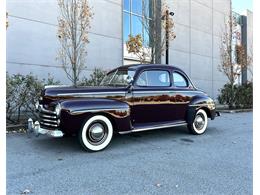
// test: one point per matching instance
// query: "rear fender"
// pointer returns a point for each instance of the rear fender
(200, 102)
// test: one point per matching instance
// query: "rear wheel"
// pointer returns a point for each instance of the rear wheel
(96, 133)
(199, 124)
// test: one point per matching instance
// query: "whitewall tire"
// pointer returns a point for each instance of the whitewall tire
(96, 133)
(200, 123)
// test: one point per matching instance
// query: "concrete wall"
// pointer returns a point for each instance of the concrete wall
(199, 26)
(32, 43)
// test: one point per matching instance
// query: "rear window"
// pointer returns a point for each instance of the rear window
(179, 80)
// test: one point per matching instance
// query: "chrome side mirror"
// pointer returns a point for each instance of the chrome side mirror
(129, 80)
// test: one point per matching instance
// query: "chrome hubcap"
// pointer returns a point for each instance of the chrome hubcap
(199, 122)
(96, 132)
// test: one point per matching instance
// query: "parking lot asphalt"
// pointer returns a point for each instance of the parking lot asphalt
(166, 161)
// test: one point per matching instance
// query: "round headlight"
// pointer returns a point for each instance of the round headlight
(58, 109)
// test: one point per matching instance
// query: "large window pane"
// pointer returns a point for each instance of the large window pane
(134, 12)
(154, 78)
(137, 6)
(146, 32)
(127, 5)
(146, 39)
(126, 26)
(147, 8)
(136, 25)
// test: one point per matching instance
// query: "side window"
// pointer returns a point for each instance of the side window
(179, 80)
(154, 78)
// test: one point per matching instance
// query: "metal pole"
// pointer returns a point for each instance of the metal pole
(167, 37)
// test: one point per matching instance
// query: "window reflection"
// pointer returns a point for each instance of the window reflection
(126, 25)
(135, 12)
(127, 5)
(147, 4)
(137, 7)
(136, 25)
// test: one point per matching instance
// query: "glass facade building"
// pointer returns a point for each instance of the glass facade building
(136, 14)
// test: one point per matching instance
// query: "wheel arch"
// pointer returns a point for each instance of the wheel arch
(203, 102)
(207, 110)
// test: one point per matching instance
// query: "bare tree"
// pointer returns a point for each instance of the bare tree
(232, 63)
(155, 25)
(227, 66)
(73, 27)
(250, 61)
(244, 59)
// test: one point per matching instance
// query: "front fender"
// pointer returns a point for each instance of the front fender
(75, 113)
(200, 102)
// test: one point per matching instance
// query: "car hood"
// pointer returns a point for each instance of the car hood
(59, 93)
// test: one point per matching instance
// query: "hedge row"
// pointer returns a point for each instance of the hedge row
(22, 92)
(242, 96)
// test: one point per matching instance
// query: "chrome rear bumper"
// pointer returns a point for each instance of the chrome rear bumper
(35, 127)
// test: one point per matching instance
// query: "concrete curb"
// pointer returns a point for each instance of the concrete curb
(235, 111)
(19, 128)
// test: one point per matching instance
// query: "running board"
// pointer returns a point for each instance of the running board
(147, 128)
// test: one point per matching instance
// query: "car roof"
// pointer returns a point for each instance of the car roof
(144, 66)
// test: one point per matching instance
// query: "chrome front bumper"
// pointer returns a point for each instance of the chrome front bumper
(35, 127)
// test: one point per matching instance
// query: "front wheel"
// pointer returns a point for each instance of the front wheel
(199, 124)
(96, 133)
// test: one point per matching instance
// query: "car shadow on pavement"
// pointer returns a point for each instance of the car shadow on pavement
(71, 144)
(175, 134)
(68, 144)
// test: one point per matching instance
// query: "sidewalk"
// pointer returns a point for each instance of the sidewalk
(224, 109)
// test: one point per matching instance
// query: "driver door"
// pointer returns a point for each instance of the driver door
(151, 97)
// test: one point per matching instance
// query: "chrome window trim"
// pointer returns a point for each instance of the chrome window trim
(53, 86)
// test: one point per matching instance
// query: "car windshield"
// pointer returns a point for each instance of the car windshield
(117, 78)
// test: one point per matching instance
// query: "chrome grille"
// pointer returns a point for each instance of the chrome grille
(48, 118)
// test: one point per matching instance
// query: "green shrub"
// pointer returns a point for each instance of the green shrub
(22, 92)
(242, 96)
(95, 78)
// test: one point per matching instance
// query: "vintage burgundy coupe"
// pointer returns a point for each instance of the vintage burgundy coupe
(129, 99)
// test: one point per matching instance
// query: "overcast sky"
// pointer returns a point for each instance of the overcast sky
(241, 5)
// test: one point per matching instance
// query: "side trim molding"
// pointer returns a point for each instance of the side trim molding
(195, 105)
(98, 110)
(91, 93)
(153, 127)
